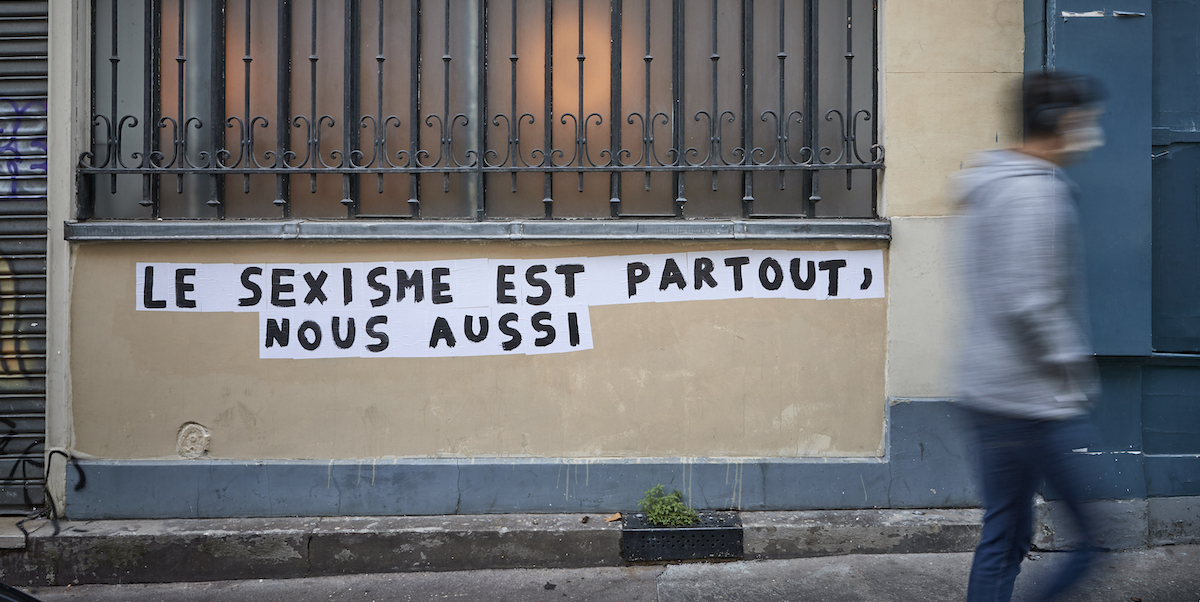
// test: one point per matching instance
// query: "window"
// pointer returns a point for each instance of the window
(482, 109)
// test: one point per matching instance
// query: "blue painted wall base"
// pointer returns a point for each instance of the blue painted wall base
(924, 466)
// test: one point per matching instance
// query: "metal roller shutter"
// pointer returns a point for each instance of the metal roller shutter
(23, 48)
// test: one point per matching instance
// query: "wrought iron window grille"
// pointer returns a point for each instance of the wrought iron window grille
(471, 123)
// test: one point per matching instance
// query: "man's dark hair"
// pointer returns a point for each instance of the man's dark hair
(1047, 95)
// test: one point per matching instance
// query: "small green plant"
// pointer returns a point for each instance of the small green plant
(667, 510)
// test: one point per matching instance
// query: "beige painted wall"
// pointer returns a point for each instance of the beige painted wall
(721, 378)
(923, 302)
(756, 377)
(952, 70)
(69, 24)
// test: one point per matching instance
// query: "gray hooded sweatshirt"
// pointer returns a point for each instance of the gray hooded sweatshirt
(1024, 350)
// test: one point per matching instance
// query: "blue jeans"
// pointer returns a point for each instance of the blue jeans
(1013, 454)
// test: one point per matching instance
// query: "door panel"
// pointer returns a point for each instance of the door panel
(1171, 410)
(1176, 135)
(1114, 182)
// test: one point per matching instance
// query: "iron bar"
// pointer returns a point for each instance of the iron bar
(150, 94)
(379, 121)
(85, 193)
(114, 141)
(648, 118)
(548, 113)
(514, 129)
(414, 112)
(614, 106)
(715, 117)
(313, 123)
(283, 104)
(155, 112)
(445, 123)
(180, 121)
(748, 105)
(782, 117)
(580, 141)
(216, 121)
(847, 135)
(481, 122)
(352, 88)
(812, 136)
(247, 134)
(677, 94)
(876, 150)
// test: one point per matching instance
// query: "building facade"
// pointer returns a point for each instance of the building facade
(563, 251)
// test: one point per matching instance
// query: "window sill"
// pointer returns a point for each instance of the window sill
(314, 230)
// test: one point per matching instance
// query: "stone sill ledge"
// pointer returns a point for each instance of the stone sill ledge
(358, 230)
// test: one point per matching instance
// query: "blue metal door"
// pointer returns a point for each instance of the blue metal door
(1090, 37)
(1139, 210)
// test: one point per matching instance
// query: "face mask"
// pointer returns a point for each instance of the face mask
(1080, 140)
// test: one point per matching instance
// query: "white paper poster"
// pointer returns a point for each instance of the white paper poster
(470, 307)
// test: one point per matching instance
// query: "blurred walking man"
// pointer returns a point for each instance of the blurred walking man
(1025, 367)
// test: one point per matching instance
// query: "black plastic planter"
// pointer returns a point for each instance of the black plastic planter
(717, 535)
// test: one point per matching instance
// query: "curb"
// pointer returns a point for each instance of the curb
(157, 551)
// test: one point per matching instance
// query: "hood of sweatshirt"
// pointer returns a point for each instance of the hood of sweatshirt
(984, 168)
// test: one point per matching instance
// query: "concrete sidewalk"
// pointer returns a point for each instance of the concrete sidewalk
(284, 548)
(165, 551)
(1163, 574)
